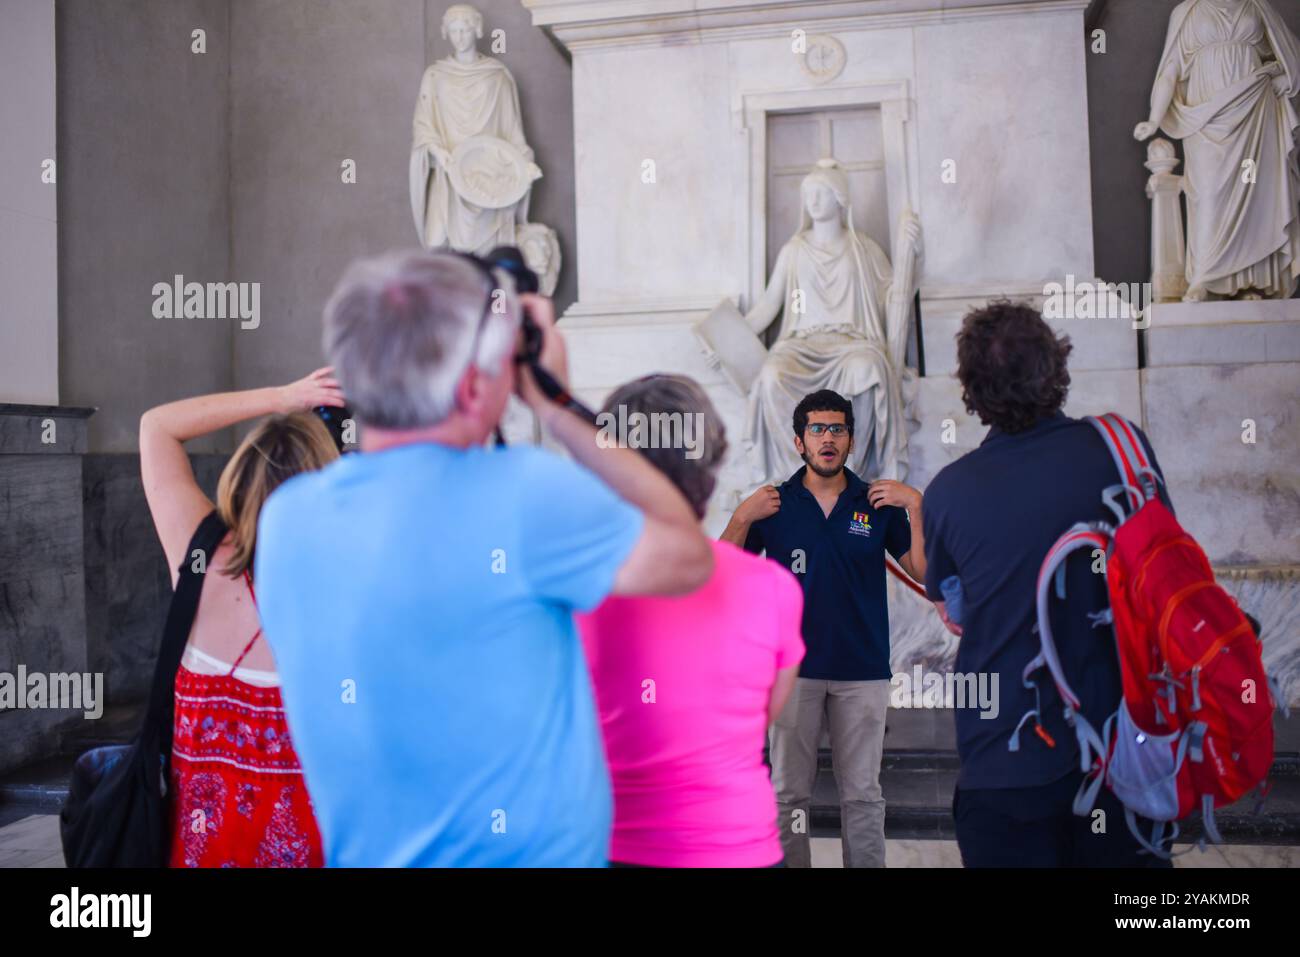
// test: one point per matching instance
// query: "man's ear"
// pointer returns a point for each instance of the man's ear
(798, 445)
(469, 391)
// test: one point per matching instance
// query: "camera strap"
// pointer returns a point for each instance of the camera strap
(557, 393)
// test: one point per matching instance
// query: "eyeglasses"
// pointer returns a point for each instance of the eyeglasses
(485, 268)
(820, 428)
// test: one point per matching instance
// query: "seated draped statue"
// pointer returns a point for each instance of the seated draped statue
(844, 328)
(1224, 87)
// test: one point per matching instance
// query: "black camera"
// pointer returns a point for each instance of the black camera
(511, 260)
(335, 419)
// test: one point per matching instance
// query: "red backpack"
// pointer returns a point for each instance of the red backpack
(1194, 730)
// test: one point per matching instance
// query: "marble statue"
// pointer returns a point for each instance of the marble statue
(846, 313)
(471, 170)
(1224, 87)
(541, 248)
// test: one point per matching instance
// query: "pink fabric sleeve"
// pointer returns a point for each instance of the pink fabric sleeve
(789, 617)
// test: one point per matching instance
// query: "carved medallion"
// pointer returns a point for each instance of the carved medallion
(824, 58)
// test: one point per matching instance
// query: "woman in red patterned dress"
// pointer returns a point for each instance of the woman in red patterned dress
(236, 792)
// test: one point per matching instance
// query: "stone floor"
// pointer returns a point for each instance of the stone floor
(826, 852)
(33, 841)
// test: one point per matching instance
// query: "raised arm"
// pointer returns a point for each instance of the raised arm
(672, 556)
(763, 503)
(889, 492)
(176, 502)
(769, 304)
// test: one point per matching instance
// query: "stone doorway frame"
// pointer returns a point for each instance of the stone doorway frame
(751, 108)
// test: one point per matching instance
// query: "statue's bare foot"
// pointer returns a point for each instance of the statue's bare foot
(1250, 295)
(1196, 294)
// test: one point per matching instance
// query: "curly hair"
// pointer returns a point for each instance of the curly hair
(823, 401)
(1012, 365)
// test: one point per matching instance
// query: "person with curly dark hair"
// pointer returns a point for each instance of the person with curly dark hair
(1012, 366)
(989, 518)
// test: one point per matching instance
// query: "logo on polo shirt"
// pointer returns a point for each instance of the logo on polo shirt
(860, 524)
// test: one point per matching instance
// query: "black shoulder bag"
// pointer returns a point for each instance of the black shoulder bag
(116, 813)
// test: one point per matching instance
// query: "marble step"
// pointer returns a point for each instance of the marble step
(918, 806)
(918, 802)
(42, 787)
(921, 738)
(918, 773)
(918, 790)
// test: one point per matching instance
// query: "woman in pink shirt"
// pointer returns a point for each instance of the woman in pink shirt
(687, 686)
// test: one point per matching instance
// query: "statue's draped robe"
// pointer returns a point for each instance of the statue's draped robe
(458, 101)
(1241, 235)
(837, 342)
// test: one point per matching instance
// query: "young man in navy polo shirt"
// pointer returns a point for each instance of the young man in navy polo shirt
(832, 530)
(990, 518)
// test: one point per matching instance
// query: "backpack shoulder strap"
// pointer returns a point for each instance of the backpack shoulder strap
(1114, 431)
(1132, 462)
(176, 631)
(1079, 537)
(1091, 746)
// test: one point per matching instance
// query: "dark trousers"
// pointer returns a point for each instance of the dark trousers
(1034, 827)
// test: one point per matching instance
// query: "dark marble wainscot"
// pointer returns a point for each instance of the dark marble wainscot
(127, 584)
(42, 578)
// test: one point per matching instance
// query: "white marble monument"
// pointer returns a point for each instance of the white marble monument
(978, 122)
(681, 119)
(679, 108)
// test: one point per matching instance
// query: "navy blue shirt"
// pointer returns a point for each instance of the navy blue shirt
(840, 562)
(990, 518)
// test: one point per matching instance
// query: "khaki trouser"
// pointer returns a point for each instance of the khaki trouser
(855, 712)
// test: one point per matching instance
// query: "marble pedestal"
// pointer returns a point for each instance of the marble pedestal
(1220, 333)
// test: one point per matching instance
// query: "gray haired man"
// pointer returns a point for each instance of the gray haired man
(437, 691)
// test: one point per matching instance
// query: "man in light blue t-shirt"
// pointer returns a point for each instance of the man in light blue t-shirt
(419, 596)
